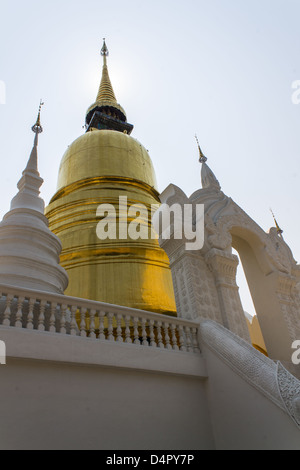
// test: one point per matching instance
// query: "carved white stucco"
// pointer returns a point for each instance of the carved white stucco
(270, 378)
(205, 280)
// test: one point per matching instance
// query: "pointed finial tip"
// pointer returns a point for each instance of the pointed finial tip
(202, 157)
(104, 50)
(279, 230)
(37, 128)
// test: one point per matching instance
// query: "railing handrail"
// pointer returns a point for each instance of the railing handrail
(57, 313)
(62, 299)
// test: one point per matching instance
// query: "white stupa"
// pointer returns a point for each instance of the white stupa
(29, 251)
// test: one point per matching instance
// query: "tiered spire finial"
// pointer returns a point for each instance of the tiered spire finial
(30, 182)
(279, 230)
(104, 50)
(106, 112)
(37, 128)
(32, 164)
(202, 157)
(106, 93)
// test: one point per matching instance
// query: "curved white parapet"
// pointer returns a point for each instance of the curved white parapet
(267, 376)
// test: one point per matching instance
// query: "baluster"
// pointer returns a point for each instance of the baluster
(167, 337)
(7, 313)
(68, 320)
(30, 315)
(174, 338)
(152, 335)
(41, 320)
(181, 339)
(136, 330)
(127, 330)
(159, 335)
(144, 332)
(63, 319)
(195, 340)
(92, 324)
(101, 325)
(119, 328)
(110, 327)
(52, 320)
(73, 325)
(188, 338)
(19, 313)
(82, 322)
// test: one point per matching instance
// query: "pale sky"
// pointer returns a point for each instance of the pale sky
(220, 68)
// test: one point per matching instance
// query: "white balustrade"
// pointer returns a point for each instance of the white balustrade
(59, 314)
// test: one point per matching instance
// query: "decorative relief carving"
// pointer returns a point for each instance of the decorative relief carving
(216, 238)
(206, 283)
(222, 214)
(280, 251)
(285, 286)
(219, 225)
(224, 265)
(289, 388)
(194, 289)
(205, 295)
(247, 362)
(287, 292)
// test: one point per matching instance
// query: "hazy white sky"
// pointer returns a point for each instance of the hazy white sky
(220, 68)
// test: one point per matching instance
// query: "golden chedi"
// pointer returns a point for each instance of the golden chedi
(101, 166)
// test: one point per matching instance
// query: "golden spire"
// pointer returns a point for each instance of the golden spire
(279, 230)
(106, 92)
(202, 157)
(106, 101)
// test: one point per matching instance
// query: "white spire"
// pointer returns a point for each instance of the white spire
(208, 179)
(32, 165)
(29, 251)
(30, 183)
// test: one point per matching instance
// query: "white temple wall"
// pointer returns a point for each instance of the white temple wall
(69, 393)
(48, 405)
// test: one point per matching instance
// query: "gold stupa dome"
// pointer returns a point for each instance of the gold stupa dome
(106, 153)
(101, 166)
